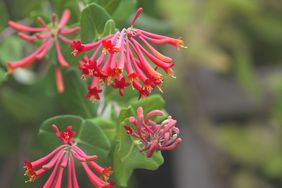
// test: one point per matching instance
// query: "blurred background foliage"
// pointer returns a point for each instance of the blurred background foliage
(232, 74)
(228, 89)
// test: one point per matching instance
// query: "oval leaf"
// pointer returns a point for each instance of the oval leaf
(124, 10)
(109, 5)
(150, 103)
(93, 20)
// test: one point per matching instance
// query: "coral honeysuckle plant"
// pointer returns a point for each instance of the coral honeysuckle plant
(121, 51)
(121, 135)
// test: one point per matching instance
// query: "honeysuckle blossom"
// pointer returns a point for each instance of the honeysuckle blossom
(51, 34)
(64, 157)
(154, 136)
(120, 58)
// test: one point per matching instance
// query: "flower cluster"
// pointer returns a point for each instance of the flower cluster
(49, 35)
(63, 157)
(154, 136)
(122, 58)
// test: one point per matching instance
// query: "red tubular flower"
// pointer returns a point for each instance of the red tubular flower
(120, 84)
(154, 136)
(89, 68)
(123, 50)
(76, 45)
(63, 157)
(109, 46)
(93, 90)
(49, 35)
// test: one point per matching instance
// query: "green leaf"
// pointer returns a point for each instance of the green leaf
(108, 127)
(124, 10)
(127, 158)
(150, 103)
(93, 20)
(89, 136)
(109, 5)
(125, 113)
(109, 28)
(93, 139)
(73, 99)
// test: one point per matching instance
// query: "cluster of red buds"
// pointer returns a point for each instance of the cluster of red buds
(50, 35)
(63, 157)
(123, 51)
(154, 136)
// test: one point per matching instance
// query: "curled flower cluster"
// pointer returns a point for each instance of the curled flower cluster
(122, 58)
(63, 157)
(49, 35)
(154, 136)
